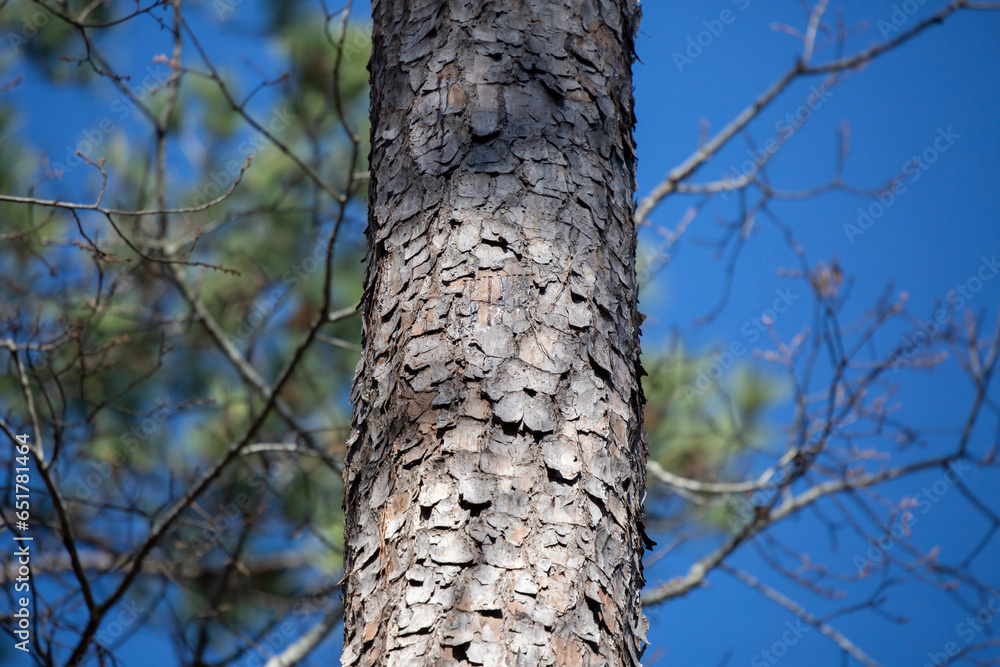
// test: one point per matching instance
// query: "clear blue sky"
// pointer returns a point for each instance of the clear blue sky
(931, 238)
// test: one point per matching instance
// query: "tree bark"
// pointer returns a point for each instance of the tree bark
(496, 466)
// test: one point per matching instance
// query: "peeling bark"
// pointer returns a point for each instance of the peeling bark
(496, 466)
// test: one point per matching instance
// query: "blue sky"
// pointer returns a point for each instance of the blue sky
(929, 239)
(943, 87)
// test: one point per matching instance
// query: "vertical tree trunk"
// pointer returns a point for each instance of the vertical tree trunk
(496, 467)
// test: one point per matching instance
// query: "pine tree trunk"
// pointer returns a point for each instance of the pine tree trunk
(496, 467)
